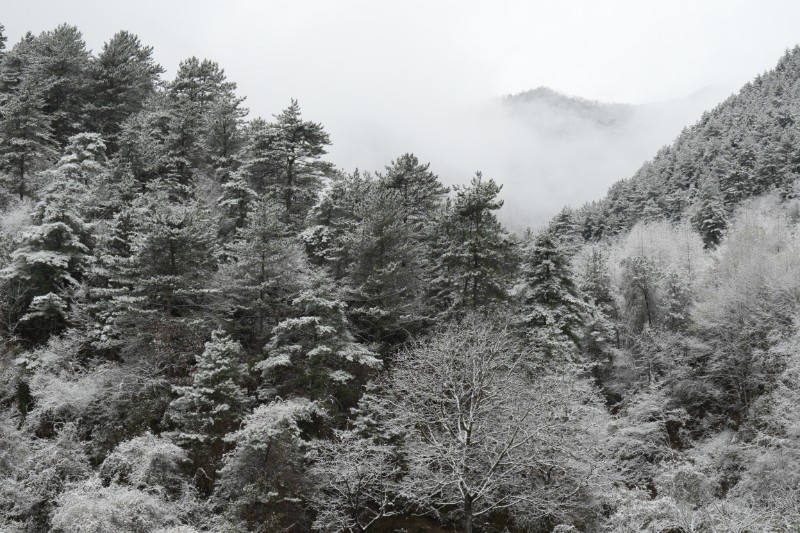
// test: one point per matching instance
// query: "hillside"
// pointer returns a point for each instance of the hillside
(535, 101)
(550, 149)
(742, 148)
(206, 327)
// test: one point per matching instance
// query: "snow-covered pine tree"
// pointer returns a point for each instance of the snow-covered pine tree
(553, 310)
(213, 405)
(236, 202)
(711, 216)
(26, 141)
(420, 190)
(61, 70)
(50, 262)
(263, 271)
(313, 354)
(283, 161)
(472, 253)
(123, 75)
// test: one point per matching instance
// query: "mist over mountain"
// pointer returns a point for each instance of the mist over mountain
(208, 327)
(547, 149)
(573, 111)
(551, 149)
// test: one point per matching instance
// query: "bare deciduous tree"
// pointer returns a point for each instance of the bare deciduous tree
(485, 434)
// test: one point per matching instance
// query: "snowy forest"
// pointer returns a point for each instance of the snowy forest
(207, 327)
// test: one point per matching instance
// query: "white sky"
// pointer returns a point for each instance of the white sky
(379, 73)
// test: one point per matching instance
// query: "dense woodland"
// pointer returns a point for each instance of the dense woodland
(205, 326)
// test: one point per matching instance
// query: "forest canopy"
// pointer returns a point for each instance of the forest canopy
(206, 326)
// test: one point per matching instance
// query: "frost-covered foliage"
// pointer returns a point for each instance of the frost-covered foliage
(488, 429)
(205, 327)
(357, 483)
(264, 476)
(91, 508)
(146, 463)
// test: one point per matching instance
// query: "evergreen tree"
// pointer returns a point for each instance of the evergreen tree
(263, 483)
(596, 282)
(123, 76)
(474, 253)
(200, 83)
(677, 301)
(236, 203)
(143, 142)
(51, 260)
(16, 65)
(173, 253)
(283, 162)
(84, 158)
(206, 113)
(366, 239)
(266, 269)
(420, 190)
(223, 139)
(26, 143)
(336, 219)
(61, 69)
(651, 210)
(213, 405)
(553, 310)
(711, 217)
(564, 228)
(313, 354)
(601, 334)
(386, 275)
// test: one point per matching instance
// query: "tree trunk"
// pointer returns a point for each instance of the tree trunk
(468, 513)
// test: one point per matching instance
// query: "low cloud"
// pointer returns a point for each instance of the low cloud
(548, 152)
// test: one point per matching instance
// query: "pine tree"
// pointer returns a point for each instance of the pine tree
(474, 255)
(313, 354)
(143, 142)
(84, 158)
(264, 270)
(596, 282)
(601, 334)
(283, 162)
(201, 83)
(223, 139)
(209, 112)
(3, 39)
(711, 217)
(364, 236)
(564, 228)
(123, 76)
(173, 253)
(51, 260)
(387, 269)
(236, 202)
(61, 69)
(16, 65)
(553, 310)
(677, 301)
(26, 143)
(213, 405)
(420, 190)
(112, 280)
(651, 210)
(334, 221)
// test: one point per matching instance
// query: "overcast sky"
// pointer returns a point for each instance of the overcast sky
(384, 76)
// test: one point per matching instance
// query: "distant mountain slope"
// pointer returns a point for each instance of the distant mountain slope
(747, 145)
(532, 104)
(550, 149)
